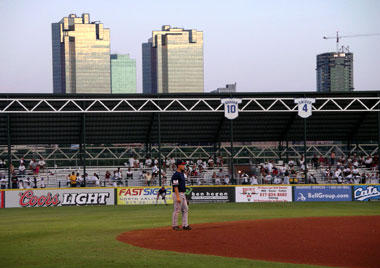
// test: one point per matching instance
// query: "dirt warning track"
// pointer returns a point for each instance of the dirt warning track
(328, 241)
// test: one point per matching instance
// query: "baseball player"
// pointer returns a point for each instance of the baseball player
(179, 197)
(162, 193)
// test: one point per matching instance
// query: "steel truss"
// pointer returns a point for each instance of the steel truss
(242, 152)
(178, 105)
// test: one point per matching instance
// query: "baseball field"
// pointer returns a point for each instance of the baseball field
(88, 236)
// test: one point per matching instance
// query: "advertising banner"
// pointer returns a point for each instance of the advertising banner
(59, 197)
(210, 194)
(367, 193)
(264, 194)
(142, 196)
(322, 193)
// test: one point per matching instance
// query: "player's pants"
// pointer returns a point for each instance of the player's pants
(163, 197)
(180, 207)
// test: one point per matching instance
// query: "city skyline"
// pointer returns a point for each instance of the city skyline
(173, 61)
(123, 74)
(262, 46)
(334, 72)
(81, 55)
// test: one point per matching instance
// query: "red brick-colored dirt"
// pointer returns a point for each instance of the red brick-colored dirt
(327, 241)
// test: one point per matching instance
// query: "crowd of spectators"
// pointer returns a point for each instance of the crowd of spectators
(354, 170)
(74, 179)
(361, 161)
(25, 176)
(271, 173)
(194, 169)
(26, 182)
(148, 172)
(333, 169)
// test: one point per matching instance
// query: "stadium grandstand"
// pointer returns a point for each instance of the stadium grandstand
(47, 137)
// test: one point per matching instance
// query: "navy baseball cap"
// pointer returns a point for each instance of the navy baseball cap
(180, 162)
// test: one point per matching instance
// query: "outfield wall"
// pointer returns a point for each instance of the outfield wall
(195, 194)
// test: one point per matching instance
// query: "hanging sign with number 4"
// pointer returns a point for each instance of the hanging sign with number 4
(304, 106)
(231, 108)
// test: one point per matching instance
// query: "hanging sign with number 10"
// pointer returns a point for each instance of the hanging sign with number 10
(304, 106)
(231, 108)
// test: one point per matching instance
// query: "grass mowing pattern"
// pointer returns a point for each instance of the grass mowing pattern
(85, 236)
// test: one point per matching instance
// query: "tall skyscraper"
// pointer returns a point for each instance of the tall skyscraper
(123, 74)
(81, 56)
(335, 72)
(173, 61)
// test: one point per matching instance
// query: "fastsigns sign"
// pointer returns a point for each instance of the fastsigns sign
(141, 195)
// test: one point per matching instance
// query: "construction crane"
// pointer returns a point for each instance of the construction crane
(338, 37)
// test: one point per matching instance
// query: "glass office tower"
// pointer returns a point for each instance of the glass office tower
(123, 74)
(81, 56)
(173, 61)
(147, 68)
(335, 72)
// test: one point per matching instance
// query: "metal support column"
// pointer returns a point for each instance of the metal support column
(9, 149)
(214, 152)
(357, 142)
(80, 153)
(159, 149)
(146, 149)
(304, 148)
(84, 146)
(232, 152)
(287, 149)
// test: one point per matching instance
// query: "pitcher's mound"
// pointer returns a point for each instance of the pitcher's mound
(329, 241)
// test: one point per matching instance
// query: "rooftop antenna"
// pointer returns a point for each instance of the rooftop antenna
(338, 37)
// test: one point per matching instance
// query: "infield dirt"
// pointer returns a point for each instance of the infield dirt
(352, 241)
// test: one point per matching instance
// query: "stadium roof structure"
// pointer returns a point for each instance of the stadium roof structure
(27, 119)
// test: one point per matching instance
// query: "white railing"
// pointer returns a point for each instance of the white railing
(96, 155)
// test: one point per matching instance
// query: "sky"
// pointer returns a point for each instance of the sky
(263, 46)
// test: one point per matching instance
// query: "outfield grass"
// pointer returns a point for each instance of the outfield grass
(85, 236)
